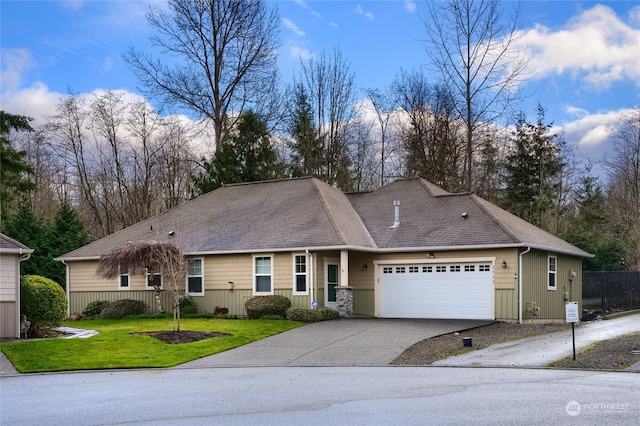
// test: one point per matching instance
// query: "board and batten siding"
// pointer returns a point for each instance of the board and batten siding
(9, 296)
(535, 285)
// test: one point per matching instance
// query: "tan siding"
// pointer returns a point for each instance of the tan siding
(78, 300)
(9, 277)
(9, 320)
(551, 302)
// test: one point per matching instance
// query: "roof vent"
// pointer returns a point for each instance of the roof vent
(465, 215)
(396, 221)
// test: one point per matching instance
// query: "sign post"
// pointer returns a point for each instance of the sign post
(571, 311)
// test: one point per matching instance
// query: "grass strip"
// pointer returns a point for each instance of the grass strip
(118, 347)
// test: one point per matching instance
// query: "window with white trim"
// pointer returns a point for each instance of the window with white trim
(427, 269)
(484, 268)
(400, 270)
(157, 280)
(454, 268)
(300, 273)
(262, 278)
(414, 269)
(441, 269)
(469, 268)
(387, 270)
(195, 278)
(552, 267)
(123, 280)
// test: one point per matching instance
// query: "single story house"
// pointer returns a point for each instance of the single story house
(406, 250)
(11, 254)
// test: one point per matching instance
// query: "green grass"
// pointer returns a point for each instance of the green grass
(117, 347)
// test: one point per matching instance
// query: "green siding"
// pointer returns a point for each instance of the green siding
(535, 289)
(506, 304)
(364, 302)
(233, 300)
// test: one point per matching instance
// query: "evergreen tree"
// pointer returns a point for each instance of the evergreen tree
(533, 169)
(306, 146)
(592, 230)
(67, 233)
(14, 171)
(245, 155)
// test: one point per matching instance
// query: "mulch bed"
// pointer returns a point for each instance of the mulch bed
(177, 337)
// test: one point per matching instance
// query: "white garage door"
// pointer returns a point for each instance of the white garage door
(452, 290)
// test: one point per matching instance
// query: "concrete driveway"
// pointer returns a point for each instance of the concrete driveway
(344, 342)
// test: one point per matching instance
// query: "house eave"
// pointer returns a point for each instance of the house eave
(362, 249)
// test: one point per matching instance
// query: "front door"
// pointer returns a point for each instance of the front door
(332, 279)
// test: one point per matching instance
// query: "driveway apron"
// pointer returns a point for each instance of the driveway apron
(344, 342)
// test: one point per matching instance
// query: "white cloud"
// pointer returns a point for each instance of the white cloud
(303, 4)
(410, 6)
(14, 63)
(596, 46)
(593, 130)
(360, 11)
(293, 27)
(300, 53)
(571, 110)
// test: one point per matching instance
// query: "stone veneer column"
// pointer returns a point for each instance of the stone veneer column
(344, 300)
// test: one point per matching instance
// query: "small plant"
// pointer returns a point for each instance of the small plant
(221, 312)
(188, 305)
(311, 315)
(260, 306)
(94, 308)
(43, 302)
(123, 308)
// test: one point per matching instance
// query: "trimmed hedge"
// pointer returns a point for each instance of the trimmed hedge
(312, 315)
(260, 306)
(93, 309)
(123, 308)
(43, 301)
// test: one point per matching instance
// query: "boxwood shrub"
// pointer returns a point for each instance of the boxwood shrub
(123, 308)
(188, 305)
(43, 301)
(312, 315)
(260, 306)
(93, 309)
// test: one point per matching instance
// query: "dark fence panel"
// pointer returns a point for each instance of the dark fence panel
(615, 290)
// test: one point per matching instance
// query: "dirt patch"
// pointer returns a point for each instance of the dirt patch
(612, 354)
(177, 337)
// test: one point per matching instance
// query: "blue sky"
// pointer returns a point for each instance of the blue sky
(585, 66)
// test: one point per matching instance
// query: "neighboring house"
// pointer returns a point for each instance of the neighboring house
(11, 254)
(406, 250)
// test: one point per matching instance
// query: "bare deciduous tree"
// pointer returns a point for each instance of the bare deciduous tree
(623, 191)
(143, 258)
(474, 47)
(225, 57)
(330, 86)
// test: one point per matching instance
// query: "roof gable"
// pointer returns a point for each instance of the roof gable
(9, 245)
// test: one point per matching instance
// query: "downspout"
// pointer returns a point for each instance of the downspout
(66, 267)
(310, 276)
(520, 283)
(22, 257)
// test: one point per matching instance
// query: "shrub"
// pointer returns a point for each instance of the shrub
(43, 301)
(312, 315)
(259, 306)
(188, 305)
(123, 308)
(94, 308)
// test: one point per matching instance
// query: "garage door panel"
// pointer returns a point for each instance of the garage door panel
(437, 291)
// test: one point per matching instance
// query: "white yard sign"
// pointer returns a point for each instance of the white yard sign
(571, 309)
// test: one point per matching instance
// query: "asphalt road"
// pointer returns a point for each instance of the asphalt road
(322, 395)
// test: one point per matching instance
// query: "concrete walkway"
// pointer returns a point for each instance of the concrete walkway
(346, 342)
(542, 350)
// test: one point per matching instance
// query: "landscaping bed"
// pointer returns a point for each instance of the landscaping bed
(611, 354)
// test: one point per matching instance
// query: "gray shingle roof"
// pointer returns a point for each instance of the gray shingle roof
(9, 245)
(307, 213)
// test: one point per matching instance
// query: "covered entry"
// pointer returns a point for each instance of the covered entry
(436, 290)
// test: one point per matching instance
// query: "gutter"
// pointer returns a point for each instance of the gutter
(520, 283)
(311, 282)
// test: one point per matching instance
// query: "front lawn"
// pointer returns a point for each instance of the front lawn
(118, 347)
